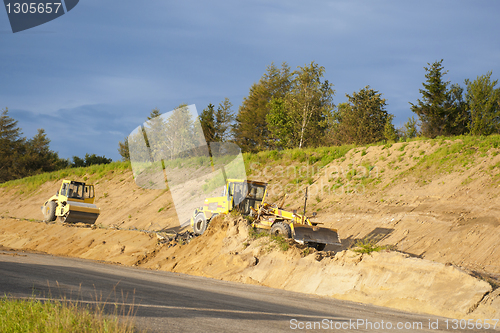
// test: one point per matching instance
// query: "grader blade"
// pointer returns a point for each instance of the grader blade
(313, 234)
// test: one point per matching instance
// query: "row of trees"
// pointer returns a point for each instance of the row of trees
(288, 109)
(285, 109)
(449, 109)
(88, 160)
(294, 108)
(21, 157)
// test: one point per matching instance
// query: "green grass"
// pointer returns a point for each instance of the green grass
(367, 246)
(213, 183)
(255, 233)
(93, 174)
(195, 161)
(448, 154)
(402, 148)
(453, 154)
(324, 155)
(31, 315)
(281, 242)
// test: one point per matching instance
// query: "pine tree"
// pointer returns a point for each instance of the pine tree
(78, 162)
(280, 125)
(441, 110)
(156, 136)
(208, 123)
(223, 121)
(37, 156)
(123, 149)
(250, 131)
(459, 114)
(155, 113)
(96, 160)
(20, 157)
(409, 129)
(11, 143)
(431, 109)
(136, 141)
(390, 133)
(180, 135)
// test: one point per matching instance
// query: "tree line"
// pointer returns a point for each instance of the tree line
(22, 157)
(294, 109)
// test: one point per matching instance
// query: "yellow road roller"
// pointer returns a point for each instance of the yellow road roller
(74, 202)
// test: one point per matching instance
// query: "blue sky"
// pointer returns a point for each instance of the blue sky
(94, 74)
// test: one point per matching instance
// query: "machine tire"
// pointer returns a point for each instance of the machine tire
(200, 224)
(50, 211)
(280, 228)
(317, 246)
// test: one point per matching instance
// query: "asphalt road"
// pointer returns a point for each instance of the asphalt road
(170, 302)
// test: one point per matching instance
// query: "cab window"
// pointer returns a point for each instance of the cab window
(240, 192)
(75, 191)
(64, 189)
(230, 189)
(256, 192)
(88, 192)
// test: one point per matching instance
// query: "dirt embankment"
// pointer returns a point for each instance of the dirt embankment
(428, 199)
(228, 252)
(122, 203)
(385, 278)
(422, 199)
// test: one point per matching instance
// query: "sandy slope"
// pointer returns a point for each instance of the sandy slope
(449, 218)
(227, 252)
(122, 203)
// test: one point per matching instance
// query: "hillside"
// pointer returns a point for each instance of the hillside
(431, 199)
(436, 199)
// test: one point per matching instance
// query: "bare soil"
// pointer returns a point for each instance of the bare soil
(442, 226)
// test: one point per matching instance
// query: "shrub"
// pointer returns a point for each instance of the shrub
(367, 246)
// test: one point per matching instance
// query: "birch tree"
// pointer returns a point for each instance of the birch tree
(309, 103)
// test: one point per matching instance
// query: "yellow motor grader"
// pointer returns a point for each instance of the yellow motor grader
(248, 197)
(74, 202)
